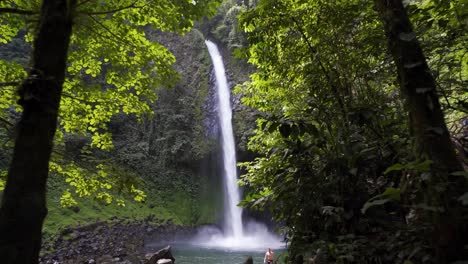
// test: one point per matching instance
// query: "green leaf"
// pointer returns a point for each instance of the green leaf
(460, 173)
(389, 195)
(394, 167)
(423, 166)
(420, 166)
(392, 193)
(375, 202)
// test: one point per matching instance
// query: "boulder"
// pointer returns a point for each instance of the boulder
(249, 260)
(164, 253)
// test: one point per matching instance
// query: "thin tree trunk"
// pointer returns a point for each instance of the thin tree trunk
(23, 207)
(428, 127)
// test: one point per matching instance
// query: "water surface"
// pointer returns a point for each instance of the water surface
(186, 253)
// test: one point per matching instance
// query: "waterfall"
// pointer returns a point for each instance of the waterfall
(236, 235)
(233, 213)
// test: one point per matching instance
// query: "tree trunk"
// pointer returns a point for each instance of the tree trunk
(432, 138)
(23, 207)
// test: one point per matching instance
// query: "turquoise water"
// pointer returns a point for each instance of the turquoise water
(191, 254)
(209, 245)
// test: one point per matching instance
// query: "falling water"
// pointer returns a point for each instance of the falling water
(237, 235)
(233, 214)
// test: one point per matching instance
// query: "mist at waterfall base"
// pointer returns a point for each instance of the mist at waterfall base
(211, 246)
(257, 238)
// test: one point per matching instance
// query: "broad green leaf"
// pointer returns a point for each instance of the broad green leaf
(389, 195)
(395, 167)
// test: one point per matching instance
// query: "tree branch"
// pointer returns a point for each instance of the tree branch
(113, 11)
(6, 122)
(64, 94)
(102, 36)
(117, 37)
(105, 28)
(17, 11)
(9, 84)
(82, 3)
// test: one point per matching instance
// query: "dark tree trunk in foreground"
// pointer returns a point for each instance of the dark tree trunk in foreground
(23, 207)
(428, 128)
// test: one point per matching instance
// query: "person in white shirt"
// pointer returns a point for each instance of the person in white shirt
(269, 257)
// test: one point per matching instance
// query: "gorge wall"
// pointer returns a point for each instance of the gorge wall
(176, 151)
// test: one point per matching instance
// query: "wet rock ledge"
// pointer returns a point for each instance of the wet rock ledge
(118, 241)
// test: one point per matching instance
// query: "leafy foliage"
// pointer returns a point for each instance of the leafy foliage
(224, 26)
(332, 132)
(113, 67)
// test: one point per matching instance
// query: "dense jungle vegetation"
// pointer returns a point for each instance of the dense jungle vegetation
(352, 129)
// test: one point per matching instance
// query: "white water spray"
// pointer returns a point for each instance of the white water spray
(255, 235)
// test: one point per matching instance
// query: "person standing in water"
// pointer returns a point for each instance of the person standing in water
(269, 257)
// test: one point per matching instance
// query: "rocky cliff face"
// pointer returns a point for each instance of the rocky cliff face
(223, 30)
(177, 148)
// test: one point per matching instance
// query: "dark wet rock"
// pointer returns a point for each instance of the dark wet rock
(164, 253)
(118, 241)
(249, 260)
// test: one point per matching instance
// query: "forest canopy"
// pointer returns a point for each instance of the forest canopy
(113, 67)
(341, 163)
